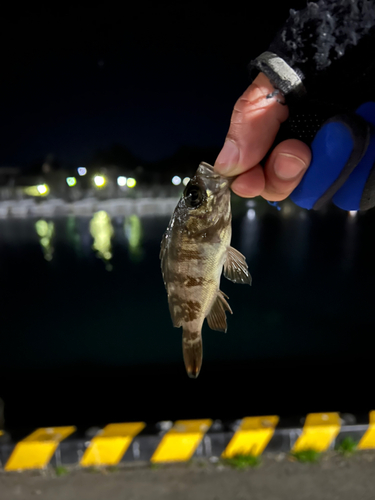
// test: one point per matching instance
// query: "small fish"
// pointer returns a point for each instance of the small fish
(194, 250)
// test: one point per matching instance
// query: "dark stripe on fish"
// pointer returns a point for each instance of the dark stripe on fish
(183, 310)
(191, 281)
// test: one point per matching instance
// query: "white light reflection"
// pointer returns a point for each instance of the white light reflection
(186, 181)
(249, 242)
(121, 180)
(349, 246)
(82, 171)
(251, 214)
(250, 203)
(176, 180)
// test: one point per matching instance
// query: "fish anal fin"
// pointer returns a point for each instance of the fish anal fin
(216, 318)
(235, 267)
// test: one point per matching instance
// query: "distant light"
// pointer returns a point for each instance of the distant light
(186, 181)
(131, 182)
(176, 180)
(352, 213)
(99, 181)
(71, 181)
(121, 180)
(82, 170)
(251, 214)
(40, 190)
(287, 209)
(250, 203)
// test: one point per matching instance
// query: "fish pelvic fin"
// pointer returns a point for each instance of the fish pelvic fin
(235, 267)
(192, 349)
(216, 318)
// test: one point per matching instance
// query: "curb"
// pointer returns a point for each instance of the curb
(180, 441)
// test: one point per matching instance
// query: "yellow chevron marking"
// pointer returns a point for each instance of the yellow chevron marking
(252, 436)
(180, 443)
(36, 450)
(110, 444)
(319, 431)
(368, 439)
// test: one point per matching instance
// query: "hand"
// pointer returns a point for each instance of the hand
(255, 122)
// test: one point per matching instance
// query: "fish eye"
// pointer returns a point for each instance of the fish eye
(193, 195)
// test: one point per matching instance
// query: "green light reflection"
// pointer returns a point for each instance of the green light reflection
(101, 230)
(133, 233)
(46, 231)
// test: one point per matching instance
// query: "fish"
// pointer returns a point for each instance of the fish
(195, 249)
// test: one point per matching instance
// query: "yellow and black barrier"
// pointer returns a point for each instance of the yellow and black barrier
(180, 441)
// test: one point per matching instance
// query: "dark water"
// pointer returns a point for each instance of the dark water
(86, 334)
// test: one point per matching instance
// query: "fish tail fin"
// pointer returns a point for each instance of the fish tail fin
(192, 349)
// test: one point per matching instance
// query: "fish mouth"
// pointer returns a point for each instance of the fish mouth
(207, 170)
(204, 164)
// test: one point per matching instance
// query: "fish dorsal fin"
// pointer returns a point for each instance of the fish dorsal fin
(216, 318)
(235, 267)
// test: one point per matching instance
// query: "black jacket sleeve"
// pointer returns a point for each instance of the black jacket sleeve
(329, 48)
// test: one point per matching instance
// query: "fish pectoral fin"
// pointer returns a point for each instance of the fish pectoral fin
(216, 318)
(235, 267)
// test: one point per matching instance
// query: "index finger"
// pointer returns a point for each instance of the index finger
(255, 121)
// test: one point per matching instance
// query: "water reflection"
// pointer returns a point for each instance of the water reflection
(133, 233)
(101, 230)
(73, 234)
(45, 231)
(307, 269)
(350, 239)
(250, 234)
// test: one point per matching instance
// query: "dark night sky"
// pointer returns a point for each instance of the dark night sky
(152, 78)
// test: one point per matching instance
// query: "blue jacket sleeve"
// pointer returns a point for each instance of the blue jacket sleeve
(343, 163)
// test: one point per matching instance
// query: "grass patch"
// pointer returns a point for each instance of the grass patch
(113, 468)
(242, 461)
(306, 456)
(155, 466)
(92, 470)
(347, 446)
(60, 470)
(201, 463)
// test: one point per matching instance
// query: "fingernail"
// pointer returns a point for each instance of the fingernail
(228, 158)
(288, 167)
